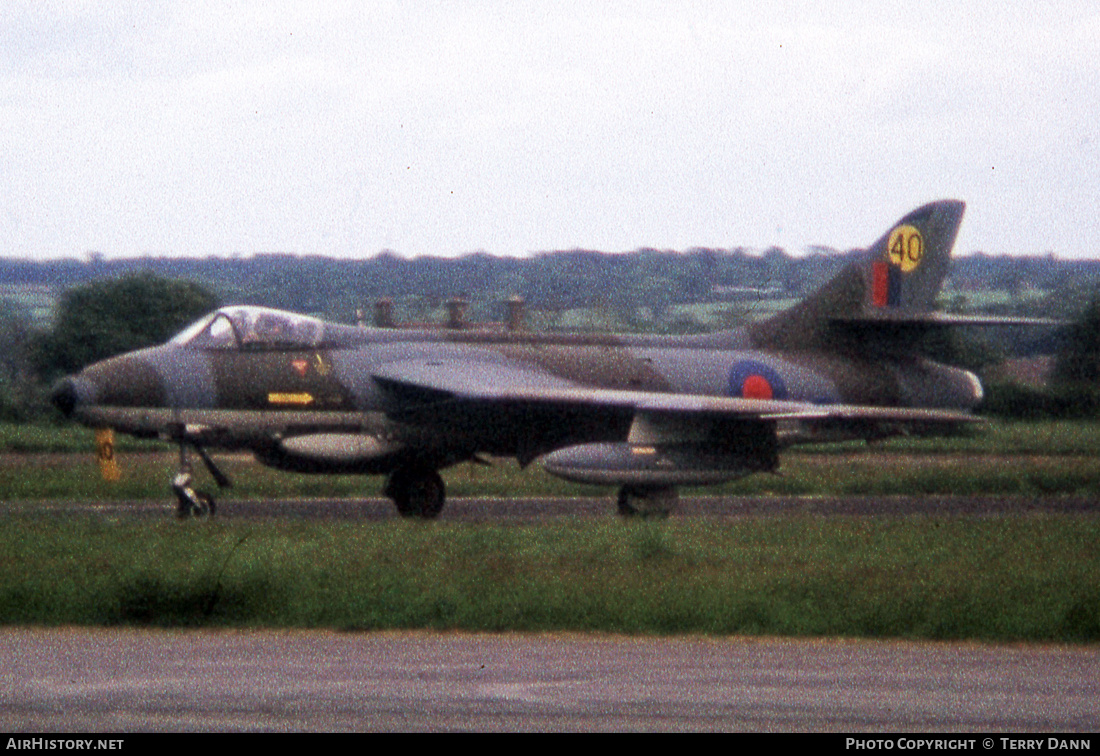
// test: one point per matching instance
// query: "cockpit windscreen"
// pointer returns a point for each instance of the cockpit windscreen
(252, 328)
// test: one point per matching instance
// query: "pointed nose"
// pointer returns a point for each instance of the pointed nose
(68, 393)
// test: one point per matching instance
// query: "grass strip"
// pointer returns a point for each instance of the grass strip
(1015, 458)
(1033, 578)
(1049, 437)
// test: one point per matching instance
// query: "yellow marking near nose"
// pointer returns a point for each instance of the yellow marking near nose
(299, 399)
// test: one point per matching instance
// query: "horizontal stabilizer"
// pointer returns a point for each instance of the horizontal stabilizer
(941, 319)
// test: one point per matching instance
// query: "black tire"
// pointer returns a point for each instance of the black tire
(626, 509)
(647, 503)
(207, 506)
(201, 507)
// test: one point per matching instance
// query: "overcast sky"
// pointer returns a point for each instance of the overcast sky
(346, 128)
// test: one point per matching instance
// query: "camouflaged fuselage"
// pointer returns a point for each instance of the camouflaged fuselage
(644, 412)
(252, 398)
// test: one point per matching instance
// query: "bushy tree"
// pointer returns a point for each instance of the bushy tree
(109, 316)
(1078, 361)
(1075, 390)
(18, 389)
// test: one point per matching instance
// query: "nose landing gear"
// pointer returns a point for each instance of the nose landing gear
(192, 503)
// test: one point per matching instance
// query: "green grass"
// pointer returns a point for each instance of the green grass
(870, 475)
(1041, 437)
(1058, 437)
(1028, 578)
(64, 438)
(1002, 579)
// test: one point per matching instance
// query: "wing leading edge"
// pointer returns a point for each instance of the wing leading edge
(417, 383)
(645, 441)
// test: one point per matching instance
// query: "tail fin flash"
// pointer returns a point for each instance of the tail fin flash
(895, 280)
(908, 264)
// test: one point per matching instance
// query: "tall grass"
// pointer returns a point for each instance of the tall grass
(1027, 578)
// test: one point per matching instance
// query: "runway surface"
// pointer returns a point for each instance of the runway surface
(130, 680)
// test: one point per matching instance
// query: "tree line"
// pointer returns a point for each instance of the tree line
(106, 307)
(553, 281)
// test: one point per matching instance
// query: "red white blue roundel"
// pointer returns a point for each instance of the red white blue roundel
(750, 379)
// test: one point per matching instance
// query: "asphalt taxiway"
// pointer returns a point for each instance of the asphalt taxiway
(475, 509)
(87, 680)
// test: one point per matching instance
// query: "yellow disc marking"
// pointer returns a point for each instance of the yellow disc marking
(905, 248)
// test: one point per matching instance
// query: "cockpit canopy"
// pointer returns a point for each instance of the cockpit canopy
(252, 328)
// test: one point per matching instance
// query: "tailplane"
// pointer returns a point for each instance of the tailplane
(893, 283)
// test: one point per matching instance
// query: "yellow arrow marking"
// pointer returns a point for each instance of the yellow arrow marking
(300, 399)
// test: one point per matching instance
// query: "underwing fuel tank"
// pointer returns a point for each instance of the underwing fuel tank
(626, 464)
(338, 447)
(331, 453)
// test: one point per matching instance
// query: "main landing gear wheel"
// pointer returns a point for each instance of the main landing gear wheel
(417, 493)
(647, 503)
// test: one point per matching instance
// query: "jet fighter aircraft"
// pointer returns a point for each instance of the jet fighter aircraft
(646, 414)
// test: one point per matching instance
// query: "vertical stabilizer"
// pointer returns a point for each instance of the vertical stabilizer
(896, 280)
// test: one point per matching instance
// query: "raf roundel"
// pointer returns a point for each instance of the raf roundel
(750, 379)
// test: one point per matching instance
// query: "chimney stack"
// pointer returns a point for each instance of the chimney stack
(514, 317)
(456, 313)
(383, 313)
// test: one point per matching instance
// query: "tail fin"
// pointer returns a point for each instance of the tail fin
(896, 281)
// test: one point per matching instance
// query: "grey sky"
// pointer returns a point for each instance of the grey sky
(345, 128)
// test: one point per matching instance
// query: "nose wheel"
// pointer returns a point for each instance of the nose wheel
(192, 503)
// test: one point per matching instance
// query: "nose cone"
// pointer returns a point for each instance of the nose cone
(128, 380)
(69, 393)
